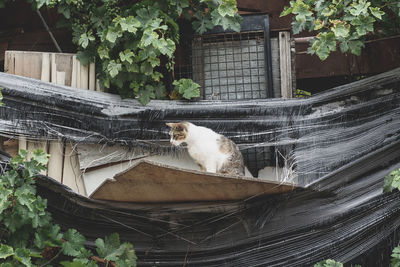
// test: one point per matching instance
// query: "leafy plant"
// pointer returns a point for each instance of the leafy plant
(27, 235)
(328, 263)
(187, 88)
(331, 263)
(133, 42)
(395, 261)
(392, 181)
(302, 93)
(343, 23)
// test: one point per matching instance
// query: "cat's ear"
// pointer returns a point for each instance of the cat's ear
(170, 124)
(178, 126)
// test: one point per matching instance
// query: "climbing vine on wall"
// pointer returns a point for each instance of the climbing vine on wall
(343, 23)
(132, 42)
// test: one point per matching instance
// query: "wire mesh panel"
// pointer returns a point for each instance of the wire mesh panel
(230, 66)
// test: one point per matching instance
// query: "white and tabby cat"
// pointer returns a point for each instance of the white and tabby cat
(213, 152)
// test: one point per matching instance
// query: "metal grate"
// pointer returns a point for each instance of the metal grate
(230, 66)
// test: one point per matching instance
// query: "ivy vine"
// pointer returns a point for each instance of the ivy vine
(133, 42)
(28, 237)
(343, 23)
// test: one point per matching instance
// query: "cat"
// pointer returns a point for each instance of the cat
(213, 152)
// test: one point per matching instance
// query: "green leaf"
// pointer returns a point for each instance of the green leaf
(227, 8)
(286, 11)
(187, 88)
(48, 236)
(85, 38)
(112, 34)
(40, 156)
(355, 47)
(73, 264)
(130, 24)
(109, 248)
(5, 203)
(302, 11)
(23, 256)
(114, 68)
(146, 68)
(148, 38)
(6, 251)
(74, 243)
(323, 45)
(363, 24)
(64, 10)
(341, 30)
(127, 56)
(84, 57)
(376, 12)
(103, 52)
(360, 7)
(145, 95)
(328, 263)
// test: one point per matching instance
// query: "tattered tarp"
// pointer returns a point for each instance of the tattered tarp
(342, 142)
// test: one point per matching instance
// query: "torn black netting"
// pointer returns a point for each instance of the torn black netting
(340, 144)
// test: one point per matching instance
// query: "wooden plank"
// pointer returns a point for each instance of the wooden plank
(64, 64)
(84, 74)
(55, 166)
(9, 62)
(22, 143)
(98, 88)
(60, 77)
(275, 61)
(92, 77)
(74, 71)
(72, 175)
(78, 74)
(45, 73)
(53, 68)
(152, 182)
(285, 65)
(18, 63)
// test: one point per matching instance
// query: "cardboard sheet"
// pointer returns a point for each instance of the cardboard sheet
(153, 182)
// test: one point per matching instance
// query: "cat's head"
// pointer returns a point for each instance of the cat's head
(178, 132)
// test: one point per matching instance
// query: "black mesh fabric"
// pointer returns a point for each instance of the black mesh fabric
(340, 144)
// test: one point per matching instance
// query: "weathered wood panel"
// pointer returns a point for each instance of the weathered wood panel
(72, 175)
(285, 65)
(151, 182)
(62, 69)
(56, 161)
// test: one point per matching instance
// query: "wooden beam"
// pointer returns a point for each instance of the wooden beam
(285, 65)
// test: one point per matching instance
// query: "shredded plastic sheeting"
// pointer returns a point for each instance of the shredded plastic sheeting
(342, 142)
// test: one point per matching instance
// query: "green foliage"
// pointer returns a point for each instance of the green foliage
(133, 42)
(328, 263)
(392, 181)
(395, 261)
(27, 235)
(302, 93)
(343, 23)
(331, 263)
(187, 88)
